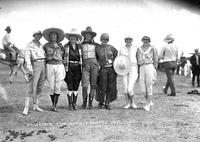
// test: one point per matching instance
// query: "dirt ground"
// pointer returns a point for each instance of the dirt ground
(172, 119)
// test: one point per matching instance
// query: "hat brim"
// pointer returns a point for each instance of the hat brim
(59, 32)
(122, 65)
(128, 38)
(72, 34)
(83, 33)
(37, 34)
(168, 39)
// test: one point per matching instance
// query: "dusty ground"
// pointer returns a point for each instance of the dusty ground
(172, 119)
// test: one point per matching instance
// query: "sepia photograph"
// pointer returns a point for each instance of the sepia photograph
(99, 71)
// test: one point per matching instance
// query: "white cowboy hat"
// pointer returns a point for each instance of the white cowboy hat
(122, 65)
(73, 32)
(169, 38)
(58, 31)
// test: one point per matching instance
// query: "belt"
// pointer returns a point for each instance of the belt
(39, 60)
(109, 65)
(74, 62)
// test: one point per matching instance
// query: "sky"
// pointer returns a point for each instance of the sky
(118, 18)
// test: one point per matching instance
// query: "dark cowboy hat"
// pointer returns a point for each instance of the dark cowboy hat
(88, 30)
(146, 38)
(73, 32)
(7, 28)
(59, 32)
(37, 33)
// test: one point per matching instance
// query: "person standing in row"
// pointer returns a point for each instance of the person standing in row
(72, 61)
(147, 58)
(107, 91)
(129, 80)
(54, 62)
(35, 63)
(194, 60)
(169, 55)
(89, 66)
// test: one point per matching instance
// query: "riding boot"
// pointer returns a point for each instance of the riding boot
(92, 94)
(74, 101)
(70, 102)
(52, 100)
(84, 93)
(107, 105)
(56, 101)
(90, 102)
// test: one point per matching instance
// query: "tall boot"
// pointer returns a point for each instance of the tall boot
(74, 101)
(52, 100)
(70, 102)
(92, 94)
(107, 105)
(84, 93)
(26, 107)
(90, 102)
(56, 96)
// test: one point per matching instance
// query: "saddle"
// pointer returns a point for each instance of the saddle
(7, 55)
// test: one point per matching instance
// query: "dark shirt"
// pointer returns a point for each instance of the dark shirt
(106, 54)
(74, 53)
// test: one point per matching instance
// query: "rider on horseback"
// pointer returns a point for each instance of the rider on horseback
(8, 45)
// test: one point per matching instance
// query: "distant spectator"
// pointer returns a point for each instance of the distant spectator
(194, 60)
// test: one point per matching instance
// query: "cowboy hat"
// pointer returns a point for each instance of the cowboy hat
(7, 28)
(122, 65)
(146, 38)
(59, 32)
(169, 38)
(88, 30)
(73, 32)
(37, 33)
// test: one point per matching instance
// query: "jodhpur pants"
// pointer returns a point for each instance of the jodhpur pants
(73, 77)
(147, 78)
(55, 75)
(129, 80)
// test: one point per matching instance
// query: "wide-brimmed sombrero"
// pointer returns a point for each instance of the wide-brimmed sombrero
(122, 65)
(88, 30)
(58, 31)
(73, 32)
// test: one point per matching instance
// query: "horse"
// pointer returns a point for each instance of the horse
(15, 66)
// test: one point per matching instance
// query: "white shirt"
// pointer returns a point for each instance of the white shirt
(33, 52)
(130, 52)
(169, 52)
(6, 39)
